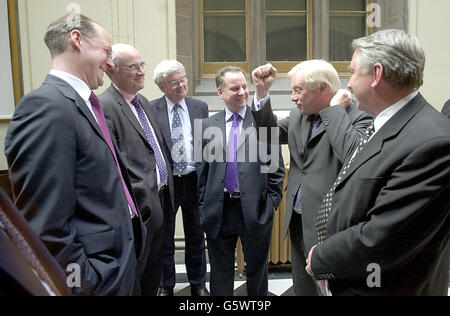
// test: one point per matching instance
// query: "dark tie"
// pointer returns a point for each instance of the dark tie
(325, 208)
(160, 162)
(231, 178)
(317, 121)
(24, 247)
(179, 156)
(98, 111)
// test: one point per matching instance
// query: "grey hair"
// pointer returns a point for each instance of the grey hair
(165, 69)
(400, 54)
(317, 72)
(57, 35)
(116, 50)
(220, 81)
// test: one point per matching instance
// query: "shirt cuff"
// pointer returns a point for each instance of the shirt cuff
(261, 103)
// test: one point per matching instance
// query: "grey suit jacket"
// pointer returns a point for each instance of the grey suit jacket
(65, 180)
(260, 192)
(392, 209)
(316, 163)
(137, 153)
(198, 110)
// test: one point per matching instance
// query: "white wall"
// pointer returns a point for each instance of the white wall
(429, 22)
(148, 25)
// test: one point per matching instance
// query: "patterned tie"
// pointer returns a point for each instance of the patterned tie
(231, 177)
(160, 162)
(325, 208)
(317, 121)
(178, 155)
(24, 247)
(98, 111)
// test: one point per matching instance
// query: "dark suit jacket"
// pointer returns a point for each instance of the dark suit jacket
(137, 153)
(315, 164)
(392, 209)
(65, 181)
(16, 275)
(260, 192)
(198, 110)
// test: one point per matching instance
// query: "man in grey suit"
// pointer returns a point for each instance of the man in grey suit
(316, 154)
(384, 226)
(177, 115)
(66, 172)
(239, 194)
(147, 159)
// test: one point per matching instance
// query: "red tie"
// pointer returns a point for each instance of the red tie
(98, 111)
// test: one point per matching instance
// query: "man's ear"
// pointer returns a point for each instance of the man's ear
(220, 93)
(378, 74)
(76, 39)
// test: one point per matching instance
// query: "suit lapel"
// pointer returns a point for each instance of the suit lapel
(390, 130)
(246, 124)
(71, 94)
(163, 120)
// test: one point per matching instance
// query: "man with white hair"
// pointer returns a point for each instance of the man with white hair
(317, 150)
(384, 226)
(146, 158)
(176, 114)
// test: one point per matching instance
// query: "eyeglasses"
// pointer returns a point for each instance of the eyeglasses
(135, 67)
(108, 51)
(176, 83)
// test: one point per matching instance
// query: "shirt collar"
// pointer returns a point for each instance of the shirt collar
(387, 114)
(170, 105)
(229, 114)
(79, 85)
(126, 95)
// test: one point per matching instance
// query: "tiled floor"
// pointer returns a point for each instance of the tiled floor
(280, 283)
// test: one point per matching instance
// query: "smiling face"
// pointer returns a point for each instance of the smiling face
(306, 99)
(175, 86)
(130, 74)
(234, 91)
(96, 57)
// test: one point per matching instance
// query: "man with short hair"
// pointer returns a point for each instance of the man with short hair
(140, 140)
(66, 172)
(239, 189)
(384, 227)
(177, 115)
(317, 150)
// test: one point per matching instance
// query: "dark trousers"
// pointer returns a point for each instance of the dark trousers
(304, 285)
(195, 258)
(222, 250)
(147, 281)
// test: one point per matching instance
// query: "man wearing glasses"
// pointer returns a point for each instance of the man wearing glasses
(146, 158)
(176, 115)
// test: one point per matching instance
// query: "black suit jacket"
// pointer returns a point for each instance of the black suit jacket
(137, 153)
(198, 110)
(392, 209)
(261, 192)
(65, 180)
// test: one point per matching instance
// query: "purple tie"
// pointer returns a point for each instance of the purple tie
(231, 178)
(98, 111)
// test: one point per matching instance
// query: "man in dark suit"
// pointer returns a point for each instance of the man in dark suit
(239, 194)
(317, 151)
(177, 116)
(384, 226)
(147, 159)
(66, 174)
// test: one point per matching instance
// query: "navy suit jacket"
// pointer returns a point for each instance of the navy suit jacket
(66, 183)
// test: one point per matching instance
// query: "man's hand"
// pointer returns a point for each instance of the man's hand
(320, 283)
(263, 79)
(343, 97)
